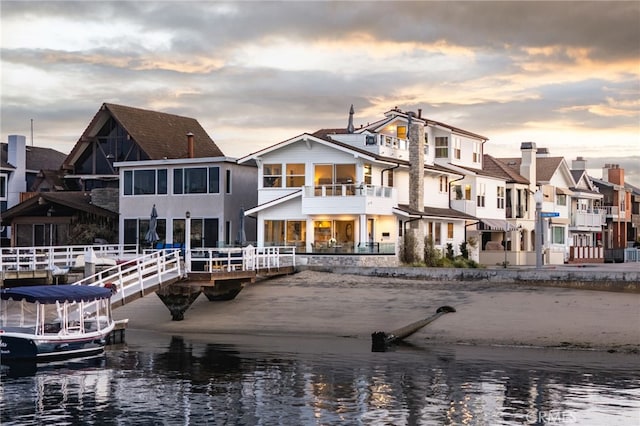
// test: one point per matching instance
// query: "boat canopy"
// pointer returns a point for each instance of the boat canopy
(55, 293)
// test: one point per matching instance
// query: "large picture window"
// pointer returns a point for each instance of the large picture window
(196, 180)
(145, 182)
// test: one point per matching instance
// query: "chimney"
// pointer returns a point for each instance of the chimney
(616, 175)
(529, 163)
(416, 179)
(543, 152)
(579, 164)
(17, 157)
(190, 152)
(420, 113)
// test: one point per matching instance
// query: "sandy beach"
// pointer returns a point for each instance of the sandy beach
(322, 304)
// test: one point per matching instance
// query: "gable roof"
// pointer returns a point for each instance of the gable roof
(545, 166)
(37, 158)
(74, 200)
(158, 134)
(405, 210)
(497, 168)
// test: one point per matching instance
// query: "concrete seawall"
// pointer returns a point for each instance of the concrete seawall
(618, 279)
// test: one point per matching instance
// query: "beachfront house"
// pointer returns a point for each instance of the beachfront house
(22, 167)
(350, 195)
(552, 176)
(127, 160)
(617, 206)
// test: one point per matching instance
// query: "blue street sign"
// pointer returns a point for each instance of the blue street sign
(549, 214)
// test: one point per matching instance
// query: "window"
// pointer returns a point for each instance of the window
(271, 176)
(390, 178)
(227, 183)
(367, 174)
(426, 145)
(3, 186)
(145, 182)
(561, 199)
(456, 148)
(196, 180)
(480, 198)
(500, 197)
(450, 231)
(436, 233)
(444, 184)
(476, 152)
(162, 181)
(295, 175)
(457, 190)
(274, 232)
(442, 147)
(402, 132)
(557, 235)
(214, 180)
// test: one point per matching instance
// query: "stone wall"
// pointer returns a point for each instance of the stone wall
(620, 281)
(107, 198)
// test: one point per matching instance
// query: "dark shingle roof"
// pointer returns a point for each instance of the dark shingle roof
(76, 200)
(37, 158)
(436, 212)
(545, 166)
(158, 134)
(497, 168)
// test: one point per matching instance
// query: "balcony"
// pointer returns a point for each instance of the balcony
(348, 199)
(587, 220)
(613, 212)
(464, 206)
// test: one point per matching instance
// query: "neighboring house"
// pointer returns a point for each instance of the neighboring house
(20, 166)
(633, 235)
(128, 159)
(61, 218)
(617, 204)
(587, 218)
(553, 177)
(359, 191)
(512, 199)
(201, 197)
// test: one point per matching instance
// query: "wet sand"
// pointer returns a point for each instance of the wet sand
(335, 305)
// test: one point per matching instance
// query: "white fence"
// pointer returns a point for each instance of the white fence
(52, 257)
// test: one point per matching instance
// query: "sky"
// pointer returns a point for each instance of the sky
(565, 75)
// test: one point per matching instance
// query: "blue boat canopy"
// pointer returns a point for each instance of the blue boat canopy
(55, 293)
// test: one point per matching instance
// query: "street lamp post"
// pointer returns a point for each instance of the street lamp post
(537, 197)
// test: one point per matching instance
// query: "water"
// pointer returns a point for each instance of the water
(196, 379)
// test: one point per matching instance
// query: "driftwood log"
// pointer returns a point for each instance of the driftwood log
(380, 340)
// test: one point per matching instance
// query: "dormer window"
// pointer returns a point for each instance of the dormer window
(442, 147)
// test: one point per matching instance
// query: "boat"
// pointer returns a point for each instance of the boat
(46, 323)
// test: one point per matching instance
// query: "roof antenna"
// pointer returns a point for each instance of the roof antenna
(350, 127)
(32, 132)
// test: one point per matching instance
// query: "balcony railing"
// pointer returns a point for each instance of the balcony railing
(588, 219)
(346, 190)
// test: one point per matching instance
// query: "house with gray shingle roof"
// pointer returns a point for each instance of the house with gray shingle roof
(20, 165)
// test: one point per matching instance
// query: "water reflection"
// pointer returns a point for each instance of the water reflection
(157, 379)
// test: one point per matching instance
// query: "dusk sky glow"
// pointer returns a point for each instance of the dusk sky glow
(565, 75)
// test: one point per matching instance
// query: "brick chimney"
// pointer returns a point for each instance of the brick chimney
(190, 148)
(615, 175)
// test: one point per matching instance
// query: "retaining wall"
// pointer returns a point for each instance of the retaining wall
(619, 281)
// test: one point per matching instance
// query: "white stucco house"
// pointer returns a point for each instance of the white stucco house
(349, 191)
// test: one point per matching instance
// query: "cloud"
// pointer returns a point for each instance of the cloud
(255, 73)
